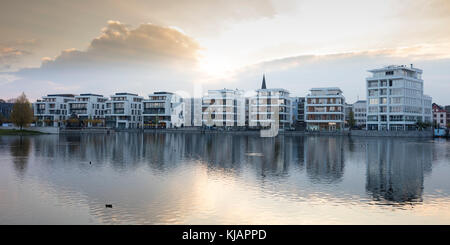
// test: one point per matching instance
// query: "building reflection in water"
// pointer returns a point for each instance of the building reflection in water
(324, 158)
(396, 169)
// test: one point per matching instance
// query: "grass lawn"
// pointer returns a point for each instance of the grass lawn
(18, 132)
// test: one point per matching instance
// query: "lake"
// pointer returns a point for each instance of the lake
(189, 178)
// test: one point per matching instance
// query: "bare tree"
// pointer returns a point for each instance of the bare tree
(22, 114)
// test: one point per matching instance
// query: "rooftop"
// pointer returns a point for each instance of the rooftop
(326, 89)
(61, 95)
(98, 95)
(162, 92)
(397, 67)
(126, 94)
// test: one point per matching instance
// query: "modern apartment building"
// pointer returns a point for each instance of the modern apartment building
(89, 109)
(193, 112)
(265, 103)
(163, 110)
(52, 110)
(439, 116)
(395, 99)
(427, 108)
(223, 108)
(348, 108)
(124, 111)
(5, 109)
(360, 113)
(447, 109)
(299, 112)
(324, 109)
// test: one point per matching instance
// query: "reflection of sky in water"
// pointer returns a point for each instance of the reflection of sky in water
(223, 179)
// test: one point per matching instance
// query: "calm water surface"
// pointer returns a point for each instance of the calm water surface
(223, 179)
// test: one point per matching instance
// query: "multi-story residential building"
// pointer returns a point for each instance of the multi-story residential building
(447, 109)
(124, 110)
(348, 108)
(427, 109)
(324, 109)
(439, 116)
(299, 112)
(193, 112)
(5, 109)
(52, 110)
(265, 103)
(163, 110)
(360, 113)
(224, 108)
(88, 108)
(395, 99)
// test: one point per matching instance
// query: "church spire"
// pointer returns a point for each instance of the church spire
(263, 86)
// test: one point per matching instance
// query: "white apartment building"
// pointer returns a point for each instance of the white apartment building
(124, 111)
(223, 108)
(193, 112)
(52, 110)
(324, 109)
(360, 113)
(88, 108)
(163, 110)
(439, 116)
(395, 99)
(263, 105)
(427, 108)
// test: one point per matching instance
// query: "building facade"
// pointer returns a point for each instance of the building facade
(427, 109)
(395, 99)
(89, 109)
(447, 109)
(193, 114)
(52, 110)
(439, 116)
(163, 110)
(223, 108)
(124, 111)
(325, 109)
(299, 112)
(264, 105)
(5, 110)
(360, 113)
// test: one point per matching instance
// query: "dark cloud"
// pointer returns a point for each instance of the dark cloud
(199, 16)
(12, 52)
(122, 58)
(120, 44)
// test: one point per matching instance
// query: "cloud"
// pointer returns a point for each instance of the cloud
(12, 52)
(121, 58)
(199, 16)
(345, 70)
(119, 43)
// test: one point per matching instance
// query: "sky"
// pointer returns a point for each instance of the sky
(143, 46)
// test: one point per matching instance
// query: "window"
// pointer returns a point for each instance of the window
(395, 108)
(373, 92)
(373, 101)
(373, 84)
(396, 100)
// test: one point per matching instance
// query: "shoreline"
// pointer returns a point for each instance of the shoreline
(352, 133)
(17, 132)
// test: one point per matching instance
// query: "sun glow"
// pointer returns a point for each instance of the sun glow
(215, 65)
